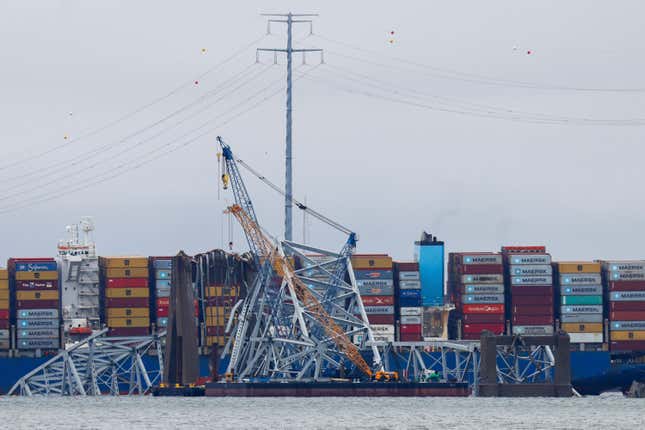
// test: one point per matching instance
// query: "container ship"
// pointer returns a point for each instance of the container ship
(47, 303)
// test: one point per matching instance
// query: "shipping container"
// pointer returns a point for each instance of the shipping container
(581, 309)
(531, 270)
(127, 302)
(37, 304)
(410, 294)
(627, 276)
(162, 274)
(133, 272)
(622, 266)
(44, 333)
(484, 309)
(579, 318)
(379, 329)
(578, 267)
(627, 296)
(128, 312)
(532, 319)
(410, 337)
(375, 261)
(582, 327)
(584, 290)
(586, 337)
(411, 319)
(380, 319)
(524, 249)
(38, 343)
(478, 328)
(480, 269)
(628, 315)
(482, 298)
(36, 266)
(483, 318)
(378, 300)
(128, 331)
(38, 323)
(128, 322)
(376, 291)
(37, 313)
(410, 328)
(409, 276)
(410, 285)
(411, 311)
(4, 295)
(626, 285)
(36, 285)
(627, 325)
(482, 279)
(410, 302)
(4, 314)
(532, 300)
(531, 290)
(483, 258)
(532, 310)
(124, 262)
(627, 346)
(162, 263)
(373, 274)
(627, 335)
(407, 266)
(482, 289)
(127, 293)
(533, 330)
(531, 280)
(580, 279)
(379, 310)
(126, 283)
(581, 300)
(37, 295)
(529, 259)
(32, 276)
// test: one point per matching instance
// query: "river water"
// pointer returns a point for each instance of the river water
(606, 412)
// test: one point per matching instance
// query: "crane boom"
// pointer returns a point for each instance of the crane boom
(284, 269)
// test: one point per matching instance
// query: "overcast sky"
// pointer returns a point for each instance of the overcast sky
(387, 169)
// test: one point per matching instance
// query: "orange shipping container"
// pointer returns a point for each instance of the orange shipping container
(123, 262)
(115, 293)
(135, 272)
(36, 295)
(50, 275)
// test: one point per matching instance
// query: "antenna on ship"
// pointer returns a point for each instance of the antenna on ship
(288, 18)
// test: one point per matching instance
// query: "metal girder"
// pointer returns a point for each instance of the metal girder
(97, 365)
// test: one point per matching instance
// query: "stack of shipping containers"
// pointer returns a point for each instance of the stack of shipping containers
(529, 289)
(375, 281)
(5, 339)
(37, 301)
(161, 274)
(624, 282)
(220, 299)
(581, 303)
(408, 301)
(126, 295)
(476, 287)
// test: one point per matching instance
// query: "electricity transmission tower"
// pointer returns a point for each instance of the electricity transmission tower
(289, 19)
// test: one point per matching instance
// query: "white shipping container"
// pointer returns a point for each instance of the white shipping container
(4, 335)
(529, 259)
(410, 285)
(580, 279)
(531, 270)
(624, 266)
(482, 279)
(585, 337)
(627, 276)
(384, 338)
(410, 311)
(409, 276)
(382, 329)
(537, 330)
(415, 320)
(531, 280)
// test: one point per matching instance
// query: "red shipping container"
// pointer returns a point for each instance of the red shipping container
(471, 336)
(532, 300)
(132, 302)
(627, 345)
(627, 306)
(380, 319)
(36, 285)
(378, 300)
(483, 309)
(532, 319)
(127, 283)
(480, 269)
(4, 324)
(478, 328)
(483, 318)
(163, 302)
(162, 312)
(532, 310)
(530, 290)
(216, 331)
(4, 314)
(410, 328)
(627, 315)
(129, 331)
(627, 286)
(14, 260)
(407, 267)
(37, 304)
(410, 337)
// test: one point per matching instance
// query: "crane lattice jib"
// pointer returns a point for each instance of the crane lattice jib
(286, 271)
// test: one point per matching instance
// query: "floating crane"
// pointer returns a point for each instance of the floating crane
(294, 331)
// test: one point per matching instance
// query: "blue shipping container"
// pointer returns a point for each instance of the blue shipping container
(36, 266)
(410, 302)
(162, 264)
(430, 253)
(162, 283)
(410, 293)
(373, 274)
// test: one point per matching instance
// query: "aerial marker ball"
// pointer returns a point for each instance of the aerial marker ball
(203, 50)
(392, 32)
(66, 137)
(529, 52)
(196, 82)
(391, 40)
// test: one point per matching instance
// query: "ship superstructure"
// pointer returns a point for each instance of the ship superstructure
(79, 279)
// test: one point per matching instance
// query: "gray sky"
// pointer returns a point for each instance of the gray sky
(388, 170)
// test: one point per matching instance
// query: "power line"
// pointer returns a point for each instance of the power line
(124, 167)
(134, 112)
(445, 73)
(55, 168)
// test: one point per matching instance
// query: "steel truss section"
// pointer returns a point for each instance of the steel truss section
(277, 337)
(95, 366)
(517, 364)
